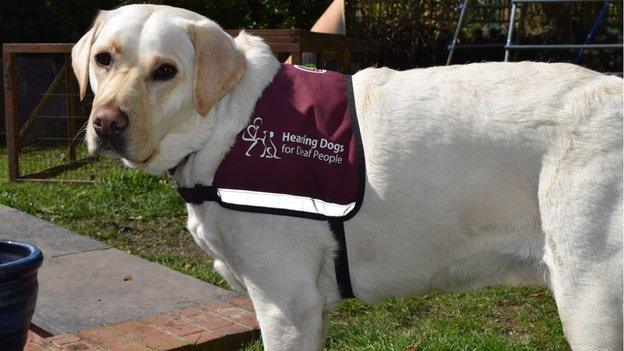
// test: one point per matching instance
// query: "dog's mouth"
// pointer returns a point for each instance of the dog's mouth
(108, 148)
(118, 149)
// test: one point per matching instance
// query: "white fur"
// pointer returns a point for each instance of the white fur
(477, 174)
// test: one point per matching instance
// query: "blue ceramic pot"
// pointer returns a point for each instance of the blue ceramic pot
(18, 291)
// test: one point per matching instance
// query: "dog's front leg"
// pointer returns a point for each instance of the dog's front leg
(290, 313)
(286, 267)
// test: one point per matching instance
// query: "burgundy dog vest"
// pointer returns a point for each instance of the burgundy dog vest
(300, 155)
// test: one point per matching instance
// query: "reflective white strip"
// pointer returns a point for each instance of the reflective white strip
(283, 201)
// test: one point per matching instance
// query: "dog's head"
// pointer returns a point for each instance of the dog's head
(156, 71)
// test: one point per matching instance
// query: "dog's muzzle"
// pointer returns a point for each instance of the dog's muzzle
(109, 124)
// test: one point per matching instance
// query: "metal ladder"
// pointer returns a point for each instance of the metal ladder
(508, 46)
(463, 7)
(586, 45)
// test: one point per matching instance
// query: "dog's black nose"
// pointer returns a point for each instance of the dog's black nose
(109, 122)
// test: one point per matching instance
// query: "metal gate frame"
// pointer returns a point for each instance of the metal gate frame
(13, 135)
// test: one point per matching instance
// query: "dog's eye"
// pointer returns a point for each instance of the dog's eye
(164, 72)
(103, 59)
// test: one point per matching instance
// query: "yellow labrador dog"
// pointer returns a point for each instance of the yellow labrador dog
(476, 174)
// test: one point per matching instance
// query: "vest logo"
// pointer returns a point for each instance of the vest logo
(310, 69)
(252, 135)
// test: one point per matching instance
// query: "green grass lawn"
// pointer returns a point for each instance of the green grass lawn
(144, 216)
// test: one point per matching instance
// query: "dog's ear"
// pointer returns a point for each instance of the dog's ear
(81, 54)
(218, 64)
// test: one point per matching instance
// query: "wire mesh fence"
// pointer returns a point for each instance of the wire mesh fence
(45, 117)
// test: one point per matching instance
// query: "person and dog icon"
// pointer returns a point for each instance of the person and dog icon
(251, 135)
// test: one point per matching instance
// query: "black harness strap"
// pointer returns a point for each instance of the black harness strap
(198, 194)
(341, 262)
